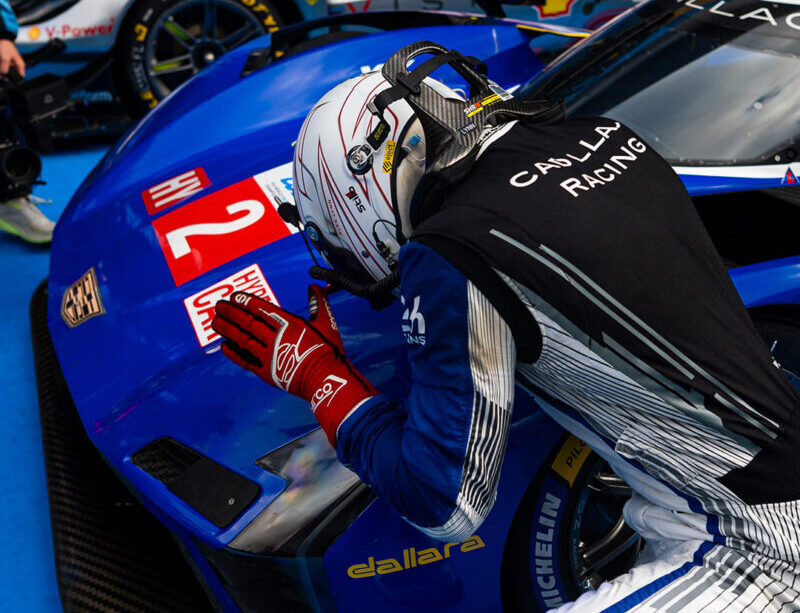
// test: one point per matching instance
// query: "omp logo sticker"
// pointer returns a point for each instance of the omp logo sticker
(413, 322)
(173, 190)
(200, 306)
(789, 178)
(82, 300)
(570, 458)
(412, 558)
(217, 228)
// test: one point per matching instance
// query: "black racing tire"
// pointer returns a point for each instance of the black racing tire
(142, 40)
(565, 513)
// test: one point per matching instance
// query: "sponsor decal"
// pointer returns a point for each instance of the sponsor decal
(277, 183)
(217, 228)
(477, 107)
(325, 393)
(413, 323)
(498, 94)
(412, 558)
(388, 156)
(555, 8)
(263, 12)
(353, 197)
(549, 509)
(140, 30)
(780, 18)
(67, 30)
(200, 306)
(610, 165)
(81, 300)
(380, 132)
(172, 191)
(789, 178)
(149, 98)
(570, 458)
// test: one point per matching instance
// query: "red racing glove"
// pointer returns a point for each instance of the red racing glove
(305, 358)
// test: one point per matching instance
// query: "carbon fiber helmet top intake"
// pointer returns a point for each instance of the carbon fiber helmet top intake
(454, 129)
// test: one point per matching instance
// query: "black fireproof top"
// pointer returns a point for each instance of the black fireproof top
(595, 229)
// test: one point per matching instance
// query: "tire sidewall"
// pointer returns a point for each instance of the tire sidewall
(536, 575)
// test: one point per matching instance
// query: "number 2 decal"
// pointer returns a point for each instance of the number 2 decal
(217, 228)
(177, 239)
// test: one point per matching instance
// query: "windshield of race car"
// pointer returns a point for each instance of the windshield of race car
(703, 81)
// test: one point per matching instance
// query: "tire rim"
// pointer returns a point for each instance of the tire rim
(191, 35)
(601, 546)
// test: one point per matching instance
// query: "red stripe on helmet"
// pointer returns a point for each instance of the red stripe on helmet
(347, 216)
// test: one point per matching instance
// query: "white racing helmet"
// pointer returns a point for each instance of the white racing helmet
(369, 144)
(353, 216)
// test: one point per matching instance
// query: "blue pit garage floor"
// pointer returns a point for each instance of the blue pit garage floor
(27, 571)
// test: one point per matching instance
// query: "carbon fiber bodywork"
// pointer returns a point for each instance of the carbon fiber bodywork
(110, 553)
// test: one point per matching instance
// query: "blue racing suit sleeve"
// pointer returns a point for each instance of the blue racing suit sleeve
(437, 459)
(8, 21)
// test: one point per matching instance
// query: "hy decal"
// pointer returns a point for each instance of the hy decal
(173, 190)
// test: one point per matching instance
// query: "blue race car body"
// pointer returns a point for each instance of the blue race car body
(182, 212)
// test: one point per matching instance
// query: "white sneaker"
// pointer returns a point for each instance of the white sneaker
(21, 216)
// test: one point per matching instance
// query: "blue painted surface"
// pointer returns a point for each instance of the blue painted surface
(27, 575)
(164, 383)
(772, 282)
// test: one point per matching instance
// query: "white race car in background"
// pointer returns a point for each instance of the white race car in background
(156, 45)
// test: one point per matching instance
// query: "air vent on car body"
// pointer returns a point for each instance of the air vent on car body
(214, 491)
